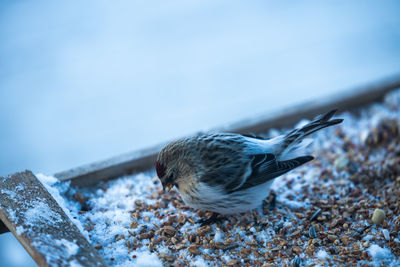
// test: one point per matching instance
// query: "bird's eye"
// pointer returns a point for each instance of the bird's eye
(170, 177)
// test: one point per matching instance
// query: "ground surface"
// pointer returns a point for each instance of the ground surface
(322, 215)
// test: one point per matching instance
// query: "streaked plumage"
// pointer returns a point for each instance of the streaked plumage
(231, 173)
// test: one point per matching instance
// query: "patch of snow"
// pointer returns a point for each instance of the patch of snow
(367, 237)
(377, 252)
(19, 230)
(147, 259)
(322, 254)
(50, 183)
(382, 256)
(46, 179)
(12, 216)
(10, 193)
(74, 263)
(200, 262)
(71, 247)
(218, 237)
(41, 213)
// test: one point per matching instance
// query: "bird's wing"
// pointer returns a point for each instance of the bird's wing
(254, 136)
(265, 167)
(227, 178)
(232, 173)
(229, 168)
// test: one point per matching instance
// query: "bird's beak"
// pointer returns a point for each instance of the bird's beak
(168, 187)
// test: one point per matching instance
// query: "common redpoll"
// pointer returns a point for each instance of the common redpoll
(231, 173)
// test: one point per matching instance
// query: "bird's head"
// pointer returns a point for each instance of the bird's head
(167, 166)
(165, 174)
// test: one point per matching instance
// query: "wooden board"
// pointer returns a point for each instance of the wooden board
(40, 224)
(138, 161)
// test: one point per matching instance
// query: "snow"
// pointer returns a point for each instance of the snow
(74, 263)
(382, 257)
(146, 259)
(12, 216)
(40, 213)
(47, 179)
(11, 194)
(218, 237)
(71, 248)
(322, 255)
(55, 188)
(19, 230)
(378, 253)
(200, 262)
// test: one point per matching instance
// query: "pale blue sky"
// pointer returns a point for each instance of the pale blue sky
(85, 80)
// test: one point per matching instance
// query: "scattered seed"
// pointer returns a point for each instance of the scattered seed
(296, 262)
(194, 249)
(168, 230)
(378, 216)
(311, 232)
(315, 215)
(386, 234)
(332, 238)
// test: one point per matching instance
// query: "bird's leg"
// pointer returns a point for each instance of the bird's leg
(270, 201)
(214, 218)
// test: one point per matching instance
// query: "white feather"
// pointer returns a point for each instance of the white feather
(216, 200)
(260, 146)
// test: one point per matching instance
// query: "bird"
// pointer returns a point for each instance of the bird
(229, 173)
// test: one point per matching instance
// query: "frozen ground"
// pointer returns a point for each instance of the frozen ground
(322, 215)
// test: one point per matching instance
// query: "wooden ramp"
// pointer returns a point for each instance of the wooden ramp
(39, 223)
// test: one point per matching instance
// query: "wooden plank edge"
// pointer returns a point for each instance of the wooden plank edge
(142, 160)
(345, 100)
(14, 210)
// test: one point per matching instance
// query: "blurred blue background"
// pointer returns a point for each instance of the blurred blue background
(82, 81)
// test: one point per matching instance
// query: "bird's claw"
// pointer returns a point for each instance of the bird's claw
(211, 220)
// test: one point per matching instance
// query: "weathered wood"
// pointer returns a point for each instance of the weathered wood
(350, 99)
(40, 224)
(112, 168)
(143, 160)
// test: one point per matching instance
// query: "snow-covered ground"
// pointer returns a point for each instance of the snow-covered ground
(83, 81)
(322, 215)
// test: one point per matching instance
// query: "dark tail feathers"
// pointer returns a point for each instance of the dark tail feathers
(318, 123)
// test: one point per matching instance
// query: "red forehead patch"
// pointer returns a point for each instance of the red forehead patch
(160, 169)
